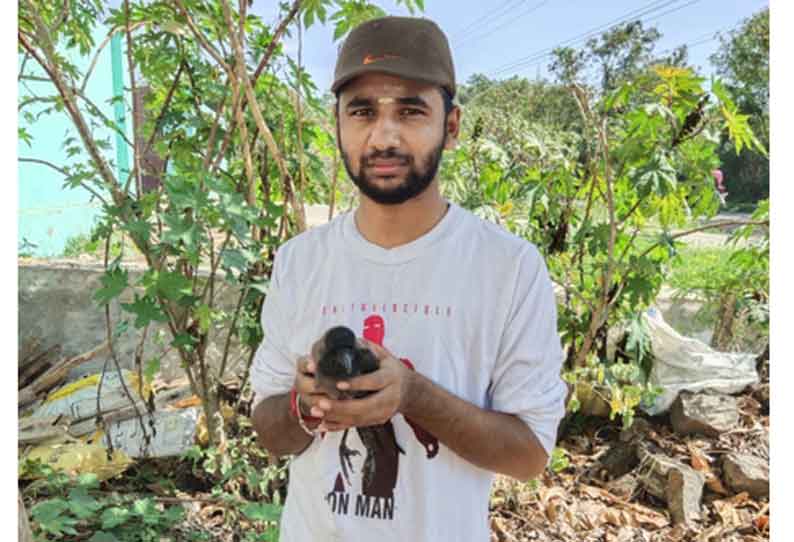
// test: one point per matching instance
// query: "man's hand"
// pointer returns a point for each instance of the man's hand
(306, 386)
(391, 387)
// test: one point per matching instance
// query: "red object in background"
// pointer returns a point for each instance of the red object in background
(718, 178)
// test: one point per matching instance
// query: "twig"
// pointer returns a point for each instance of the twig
(764, 223)
(99, 50)
(62, 17)
(166, 105)
(202, 39)
(226, 346)
(64, 172)
(136, 168)
(276, 36)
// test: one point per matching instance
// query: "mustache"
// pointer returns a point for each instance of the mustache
(388, 154)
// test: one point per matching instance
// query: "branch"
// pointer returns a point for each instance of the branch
(262, 64)
(62, 17)
(101, 47)
(764, 223)
(22, 65)
(201, 38)
(165, 107)
(35, 99)
(136, 168)
(63, 172)
(77, 118)
(226, 346)
(274, 42)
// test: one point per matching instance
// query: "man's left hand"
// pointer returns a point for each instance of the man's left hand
(390, 384)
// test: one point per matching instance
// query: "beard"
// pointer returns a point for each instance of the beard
(416, 180)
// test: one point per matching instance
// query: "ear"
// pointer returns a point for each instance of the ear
(453, 128)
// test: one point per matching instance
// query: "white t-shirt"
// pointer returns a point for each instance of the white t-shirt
(471, 307)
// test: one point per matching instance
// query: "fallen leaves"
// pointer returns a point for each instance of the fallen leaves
(701, 462)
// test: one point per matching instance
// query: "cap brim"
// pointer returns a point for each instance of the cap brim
(382, 68)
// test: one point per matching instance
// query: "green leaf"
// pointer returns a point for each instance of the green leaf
(183, 340)
(48, 510)
(114, 282)
(151, 369)
(174, 514)
(147, 509)
(102, 536)
(262, 511)
(146, 310)
(82, 505)
(173, 285)
(204, 315)
(115, 516)
(88, 480)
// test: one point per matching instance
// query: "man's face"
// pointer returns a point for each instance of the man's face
(391, 133)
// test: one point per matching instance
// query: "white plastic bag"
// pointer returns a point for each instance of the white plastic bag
(682, 363)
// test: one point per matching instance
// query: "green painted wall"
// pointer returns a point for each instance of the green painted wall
(49, 214)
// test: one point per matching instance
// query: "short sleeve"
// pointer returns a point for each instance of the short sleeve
(273, 370)
(526, 380)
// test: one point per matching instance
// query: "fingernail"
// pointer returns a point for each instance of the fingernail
(343, 385)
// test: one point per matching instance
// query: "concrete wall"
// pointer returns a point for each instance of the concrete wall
(56, 305)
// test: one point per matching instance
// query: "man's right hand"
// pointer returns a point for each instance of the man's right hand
(306, 386)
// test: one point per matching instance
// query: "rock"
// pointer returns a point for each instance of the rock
(620, 459)
(702, 413)
(623, 487)
(748, 473)
(675, 483)
(639, 428)
(761, 394)
(684, 490)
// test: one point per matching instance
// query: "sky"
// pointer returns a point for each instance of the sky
(491, 37)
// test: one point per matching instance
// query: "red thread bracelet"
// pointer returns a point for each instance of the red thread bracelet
(293, 407)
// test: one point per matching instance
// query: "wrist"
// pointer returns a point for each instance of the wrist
(412, 390)
(296, 410)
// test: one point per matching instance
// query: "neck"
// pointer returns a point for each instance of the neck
(390, 226)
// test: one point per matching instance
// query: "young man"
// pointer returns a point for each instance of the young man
(460, 313)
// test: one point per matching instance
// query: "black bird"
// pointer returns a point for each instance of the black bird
(341, 359)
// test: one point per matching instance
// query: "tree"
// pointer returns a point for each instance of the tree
(742, 60)
(240, 130)
(643, 154)
(618, 55)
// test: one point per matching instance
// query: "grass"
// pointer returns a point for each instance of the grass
(701, 269)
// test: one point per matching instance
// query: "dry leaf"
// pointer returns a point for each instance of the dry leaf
(728, 513)
(761, 522)
(589, 514)
(701, 462)
(715, 484)
(191, 401)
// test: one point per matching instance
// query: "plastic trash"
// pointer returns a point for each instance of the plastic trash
(174, 433)
(80, 457)
(78, 399)
(683, 363)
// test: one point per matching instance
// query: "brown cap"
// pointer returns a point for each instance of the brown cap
(408, 47)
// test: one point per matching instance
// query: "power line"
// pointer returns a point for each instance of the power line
(539, 59)
(632, 15)
(702, 39)
(503, 7)
(511, 21)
